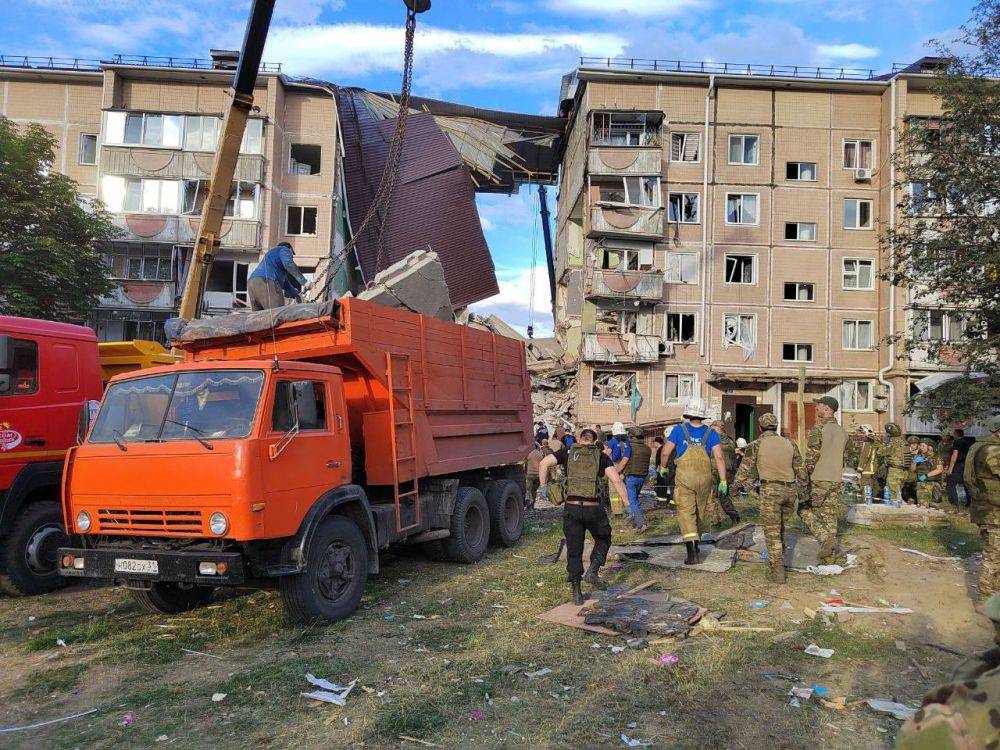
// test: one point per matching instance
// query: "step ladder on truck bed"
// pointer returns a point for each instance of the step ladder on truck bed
(403, 441)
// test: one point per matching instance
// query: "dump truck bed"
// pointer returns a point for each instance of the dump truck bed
(117, 357)
(469, 389)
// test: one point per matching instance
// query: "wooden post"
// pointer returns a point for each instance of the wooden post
(800, 398)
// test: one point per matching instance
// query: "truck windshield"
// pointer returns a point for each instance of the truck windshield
(205, 404)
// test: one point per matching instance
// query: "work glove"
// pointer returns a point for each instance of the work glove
(664, 471)
(922, 477)
(543, 492)
(723, 488)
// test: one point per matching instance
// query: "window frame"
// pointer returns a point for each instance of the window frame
(680, 327)
(742, 137)
(852, 404)
(871, 214)
(326, 428)
(798, 230)
(625, 189)
(32, 346)
(302, 222)
(684, 134)
(743, 223)
(291, 160)
(797, 344)
(753, 319)
(682, 194)
(595, 372)
(844, 324)
(799, 164)
(754, 271)
(79, 149)
(797, 284)
(690, 377)
(680, 268)
(843, 274)
(857, 152)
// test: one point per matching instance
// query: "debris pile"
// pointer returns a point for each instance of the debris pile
(885, 516)
(642, 614)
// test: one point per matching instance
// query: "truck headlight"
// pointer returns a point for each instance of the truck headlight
(83, 522)
(218, 523)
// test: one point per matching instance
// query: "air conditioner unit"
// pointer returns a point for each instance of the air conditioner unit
(880, 390)
(666, 348)
(863, 174)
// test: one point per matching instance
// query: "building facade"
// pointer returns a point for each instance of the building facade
(139, 134)
(718, 233)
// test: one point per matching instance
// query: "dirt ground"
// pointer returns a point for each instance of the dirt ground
(440, 652)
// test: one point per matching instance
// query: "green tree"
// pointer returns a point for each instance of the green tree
(946, 250)
(51, 239)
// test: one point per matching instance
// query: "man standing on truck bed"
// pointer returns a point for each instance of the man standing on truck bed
(585, 463)
(275, 275)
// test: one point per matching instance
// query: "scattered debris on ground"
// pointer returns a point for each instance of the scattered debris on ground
(643, 614)
(892, 516)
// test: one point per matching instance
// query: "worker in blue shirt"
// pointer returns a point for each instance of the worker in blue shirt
(275, 277)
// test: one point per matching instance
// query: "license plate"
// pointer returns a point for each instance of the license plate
(137, 566)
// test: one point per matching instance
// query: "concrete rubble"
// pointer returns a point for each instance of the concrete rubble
(415, 283)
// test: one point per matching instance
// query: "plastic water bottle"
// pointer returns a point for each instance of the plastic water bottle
(886, 495)
(868, 494)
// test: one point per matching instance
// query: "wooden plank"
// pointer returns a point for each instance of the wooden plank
(569, 614)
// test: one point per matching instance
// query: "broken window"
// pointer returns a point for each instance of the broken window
(229, 277)
(617, 321)
(858, 334)
(87, 153)
(242, 204)
(856, 395)
(858, 153)
(611, 386)
(678, 388)
(634, 191)
(802, 231)
(797, 352)
(741, 208)
(619, 259)
(303, 158)
(796, 291)
(300, 221)
(941, 325)
(141, 261)
(685, 147)
(859, 273)
(627, 128)
(679, 328)
(201, 132)
(740, 269)
(857, 213)
(801, 170)
(682, 208)
(740, 329)
(744, 149)
(681, 268)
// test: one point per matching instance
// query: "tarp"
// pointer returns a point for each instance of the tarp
(181, 329)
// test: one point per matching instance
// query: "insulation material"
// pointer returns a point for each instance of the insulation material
(611, 387)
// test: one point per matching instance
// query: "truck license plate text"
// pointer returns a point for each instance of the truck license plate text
(136, 566)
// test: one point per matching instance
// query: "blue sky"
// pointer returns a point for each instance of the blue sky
(503, 54)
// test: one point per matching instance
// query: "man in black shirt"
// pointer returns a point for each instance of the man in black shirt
(585, 464)
(955, 467)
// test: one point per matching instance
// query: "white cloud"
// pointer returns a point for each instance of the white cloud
(643, 8)
(511, 304)
(851, 51)
(304, 11)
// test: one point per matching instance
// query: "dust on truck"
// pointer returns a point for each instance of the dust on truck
(289, 454)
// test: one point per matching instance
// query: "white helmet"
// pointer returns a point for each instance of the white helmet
(741, 443)
(696, 408)
(617, 429)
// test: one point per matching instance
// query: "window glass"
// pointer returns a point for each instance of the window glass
(304, 398)
(88, 149)
(683, 208)
(152, 133)
(133, 128)
(252, 136)
(21, 377)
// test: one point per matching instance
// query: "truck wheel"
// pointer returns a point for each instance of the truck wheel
(506, 503)
(165, 598)
(470, 527)
(330, 587)
(30, 551)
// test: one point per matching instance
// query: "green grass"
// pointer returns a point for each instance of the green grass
(59, 680)
(960, 539)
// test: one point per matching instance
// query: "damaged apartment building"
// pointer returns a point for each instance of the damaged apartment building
(139, 133)
(718, 230)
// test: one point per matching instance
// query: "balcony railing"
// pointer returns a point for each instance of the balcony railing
(624, 161)
(41, 62)
(731, 69)
(627, 221)
(645, 286)
(624, 348)
(172, 163)
(183, 230)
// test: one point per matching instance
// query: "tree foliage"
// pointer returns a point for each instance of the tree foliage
(946, 249)
(52, 240)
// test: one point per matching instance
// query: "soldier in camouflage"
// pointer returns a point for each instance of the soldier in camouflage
(897, 458)
(825, 449)
(868, 460)
(965, 713)
(982, 476)
(927, 471)
(719, 504)
(776, 463)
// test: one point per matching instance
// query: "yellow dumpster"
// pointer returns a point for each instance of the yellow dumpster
(125, 356)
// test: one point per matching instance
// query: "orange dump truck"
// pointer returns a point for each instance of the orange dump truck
(290, 453)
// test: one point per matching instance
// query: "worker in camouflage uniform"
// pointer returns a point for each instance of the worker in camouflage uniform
(982, 477)
(910, 485)
(868, 460)
(897, 459)
(927, 471)
(825, 449)
(776, 463)
(719, 504)
(965, 713)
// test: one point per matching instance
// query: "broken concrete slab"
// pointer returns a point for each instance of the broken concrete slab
(415, 283)
(890, 516)
(713, 560)
(801, 552)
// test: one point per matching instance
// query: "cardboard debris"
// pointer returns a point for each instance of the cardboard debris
(569, 615)
(713, 559)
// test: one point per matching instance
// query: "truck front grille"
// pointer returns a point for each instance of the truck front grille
(185, 522)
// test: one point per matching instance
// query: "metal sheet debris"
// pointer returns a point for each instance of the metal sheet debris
(928, 557)
(814, 650)
(898, 710)
(329, 692)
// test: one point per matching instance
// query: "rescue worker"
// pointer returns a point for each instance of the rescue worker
(585, 465)
(741, 451)
(724, 503)
(531, 474)
(697, 447)
(897, 461)
(868, 460)
(636, 474)
(910, 485)
(927, 470)
(619, 450)
(982, 477)
(776, 463)
(824, 461)
(275, 276)
(955, 461)
(662, 486)
(963, 713)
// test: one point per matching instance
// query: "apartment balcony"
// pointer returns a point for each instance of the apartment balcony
(167, 163)
(625, 348)
(645, 286)
(154, 295)
(182, 230)
(637, 222)
(625, 160)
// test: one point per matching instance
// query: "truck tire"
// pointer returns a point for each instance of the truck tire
(506, 503)
(165, 598)
(330, 587)
(30, 551)
(470, 527)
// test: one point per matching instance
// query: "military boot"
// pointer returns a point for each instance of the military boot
(593, 578)
(776, 573)
(734, 516)
(578, 598)
(692, 553)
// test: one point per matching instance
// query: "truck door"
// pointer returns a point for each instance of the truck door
(22, 413)
(305, 451)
